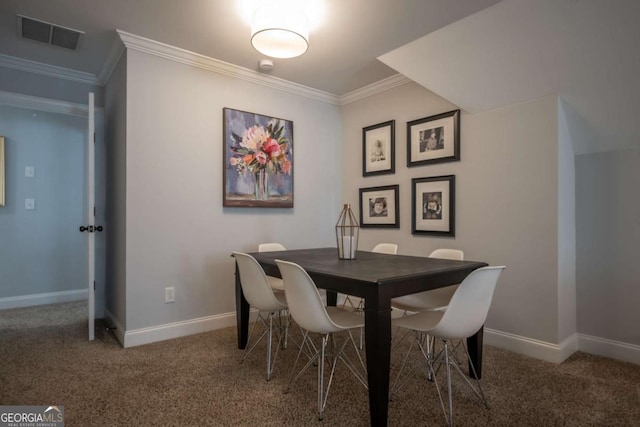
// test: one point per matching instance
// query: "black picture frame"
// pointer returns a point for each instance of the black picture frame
(434, 139)
(433, 206)
(379, 149)
(380, 207)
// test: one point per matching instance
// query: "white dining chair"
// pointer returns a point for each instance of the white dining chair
(275, 282)
(310, 313)
(271, 247)
(385, 248)
(464, 316)
(436, 299)
(258, 293)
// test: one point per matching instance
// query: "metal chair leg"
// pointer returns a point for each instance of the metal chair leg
(335, 353)
(268, 332)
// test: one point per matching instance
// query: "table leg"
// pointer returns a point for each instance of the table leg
(242, 313)
(474, 344)
(378, 351)
(332, 298)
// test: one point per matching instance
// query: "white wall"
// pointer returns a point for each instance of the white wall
(49, 87)
(41, 250)
(115, 209)
(567, 316)
(178, 233)
(506, 196)
(608, 238)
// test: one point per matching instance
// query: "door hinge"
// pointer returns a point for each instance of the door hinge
(94, 137)
(94, 211)
(94, 285)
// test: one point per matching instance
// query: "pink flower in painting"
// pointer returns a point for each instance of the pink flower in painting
(261, 157)
(271, 147)
(254, 138)
(286, 166)
(261, 148)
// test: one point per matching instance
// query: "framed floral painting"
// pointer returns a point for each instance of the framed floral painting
(258, 160)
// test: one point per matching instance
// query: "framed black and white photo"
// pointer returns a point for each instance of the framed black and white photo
(379, 207)
(379, 148)
(433, 205)
(434, 139)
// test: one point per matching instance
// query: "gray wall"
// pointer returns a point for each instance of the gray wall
(608, 238)
(41, 250)
(177, 232)
(506, 195)
(116, 178)
(567, 316)
(33, 84)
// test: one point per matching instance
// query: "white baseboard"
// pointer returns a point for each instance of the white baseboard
(178, 329)
(609, 348)
(555, 353)
(43, 299)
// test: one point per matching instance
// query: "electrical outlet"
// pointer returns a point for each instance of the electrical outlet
(169, 295)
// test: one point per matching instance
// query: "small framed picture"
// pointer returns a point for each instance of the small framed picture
(379, 149)
(433, 205)
(434, 139)
(379, 207)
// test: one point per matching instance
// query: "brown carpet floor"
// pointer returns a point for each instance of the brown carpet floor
(198, 381)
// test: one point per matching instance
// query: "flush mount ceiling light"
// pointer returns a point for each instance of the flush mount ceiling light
(280, 29)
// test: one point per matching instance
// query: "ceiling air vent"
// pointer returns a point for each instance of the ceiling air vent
(46, 32)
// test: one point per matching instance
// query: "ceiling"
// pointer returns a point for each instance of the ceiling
(584, 51)
(477, 54)
(341, 57)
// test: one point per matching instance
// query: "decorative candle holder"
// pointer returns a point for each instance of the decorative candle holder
(347, 231)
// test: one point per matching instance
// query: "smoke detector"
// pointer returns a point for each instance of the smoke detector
(46, 32)
(265, 65)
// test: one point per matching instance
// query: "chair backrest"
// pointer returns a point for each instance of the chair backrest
(469, 306)
(255, 285)
(386, 248)
(271, 247)
(454, 254)
(304, 301)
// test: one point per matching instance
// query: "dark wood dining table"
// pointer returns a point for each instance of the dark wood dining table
(377, 278)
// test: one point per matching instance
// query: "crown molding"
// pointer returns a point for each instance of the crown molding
(183, 56)
(374, 88)
(47, 70)
(42, 104)
(131, 41)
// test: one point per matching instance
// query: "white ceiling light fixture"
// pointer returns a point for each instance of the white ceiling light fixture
(280, 28)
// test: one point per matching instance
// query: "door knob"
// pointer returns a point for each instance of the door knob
(90, 228)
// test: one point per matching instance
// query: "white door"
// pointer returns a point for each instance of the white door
(90, 214)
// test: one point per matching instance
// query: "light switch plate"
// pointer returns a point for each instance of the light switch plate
(29, 204)
(29, 171)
